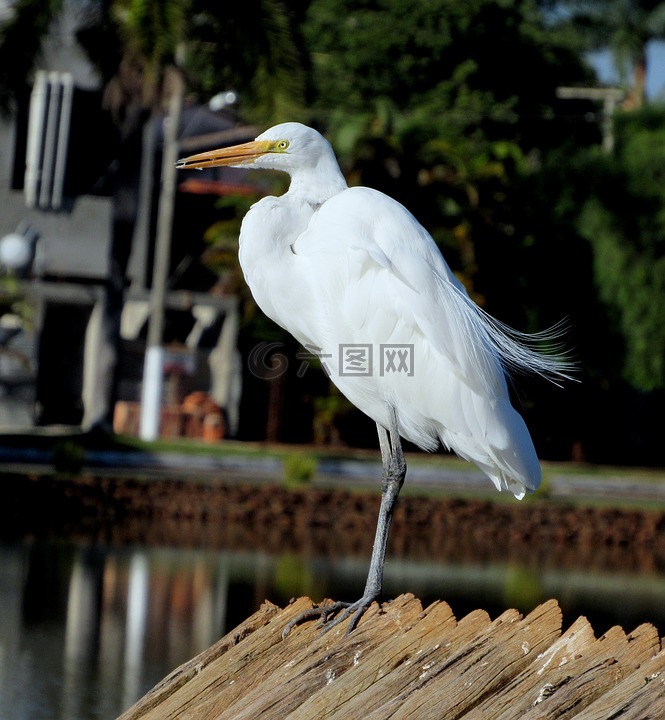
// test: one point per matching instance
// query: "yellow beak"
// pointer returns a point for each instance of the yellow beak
(235, 155)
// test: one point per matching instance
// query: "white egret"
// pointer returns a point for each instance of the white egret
(352, 275)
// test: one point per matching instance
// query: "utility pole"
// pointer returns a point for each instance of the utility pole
(610, 97)
(151, 393)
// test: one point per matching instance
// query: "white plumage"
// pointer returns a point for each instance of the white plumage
(340, 267)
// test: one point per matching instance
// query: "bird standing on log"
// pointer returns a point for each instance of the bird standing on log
(353, 276)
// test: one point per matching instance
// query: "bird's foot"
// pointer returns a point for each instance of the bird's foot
(342, 610)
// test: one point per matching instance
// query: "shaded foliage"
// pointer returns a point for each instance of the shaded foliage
(430, 103)
(252, 50)
(624, 220)
(597, 239)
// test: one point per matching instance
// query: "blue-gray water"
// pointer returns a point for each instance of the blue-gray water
(85, 630)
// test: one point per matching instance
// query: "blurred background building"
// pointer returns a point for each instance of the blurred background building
(77, 233)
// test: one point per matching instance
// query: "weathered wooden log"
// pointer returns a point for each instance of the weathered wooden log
(405, 662)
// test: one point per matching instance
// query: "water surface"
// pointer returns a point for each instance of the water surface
(87, 628)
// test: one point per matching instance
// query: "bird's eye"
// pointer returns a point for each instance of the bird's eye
(282, 144)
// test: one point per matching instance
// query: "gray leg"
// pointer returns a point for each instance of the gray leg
(394, 472)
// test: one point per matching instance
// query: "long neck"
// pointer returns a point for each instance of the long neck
(319, 183)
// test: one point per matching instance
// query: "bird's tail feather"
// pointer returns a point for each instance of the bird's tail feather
(543, 353)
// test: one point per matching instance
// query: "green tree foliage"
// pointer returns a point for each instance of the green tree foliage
(252, 50)
(453, 62)
(430, 102)
(624, 221)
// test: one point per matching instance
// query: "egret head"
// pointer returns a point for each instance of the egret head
(288, 147)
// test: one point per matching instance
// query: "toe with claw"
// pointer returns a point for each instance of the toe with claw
(342, 610)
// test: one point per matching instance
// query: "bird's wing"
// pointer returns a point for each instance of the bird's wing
(385, 269)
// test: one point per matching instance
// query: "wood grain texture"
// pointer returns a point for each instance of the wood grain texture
(405, 662)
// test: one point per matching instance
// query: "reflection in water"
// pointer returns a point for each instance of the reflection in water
(87, 630)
